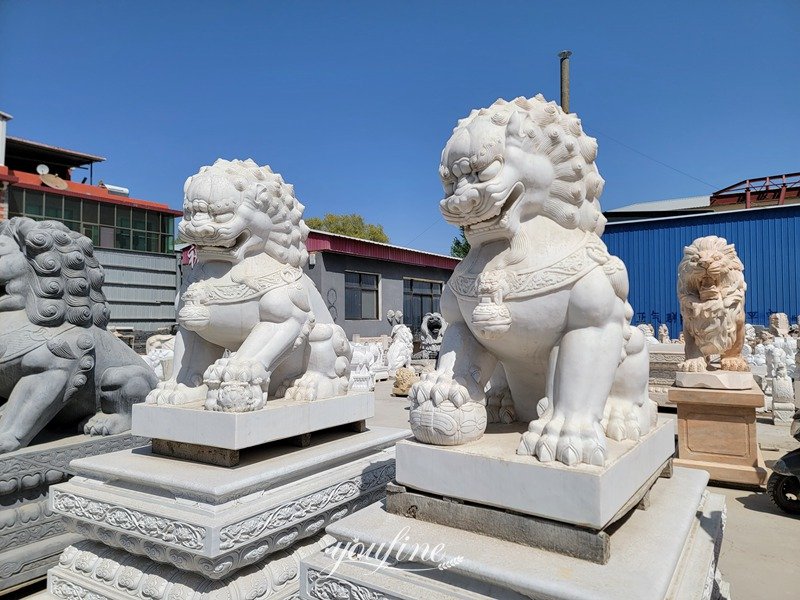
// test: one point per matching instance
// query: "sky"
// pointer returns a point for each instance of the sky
(352, 102)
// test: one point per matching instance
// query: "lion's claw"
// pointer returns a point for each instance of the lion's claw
(171, 392)
(693, 365)
(568, 441)
(443, 412)
(734, 363)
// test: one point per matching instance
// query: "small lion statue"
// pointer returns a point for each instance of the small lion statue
(538, 293)
(711, 291)
(251, 324)
(57, 360)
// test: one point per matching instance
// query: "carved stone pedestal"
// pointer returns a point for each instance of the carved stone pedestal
(717, 433)
(668, 551)
(664, 361)
(157, 522)
(31, 536)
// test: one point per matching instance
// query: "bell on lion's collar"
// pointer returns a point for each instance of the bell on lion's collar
(492, 320)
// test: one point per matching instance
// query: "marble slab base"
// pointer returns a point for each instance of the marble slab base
(668, 551)
(279, 419)
(214, 520)
(715, 380)
(488, 471)
(31, 535)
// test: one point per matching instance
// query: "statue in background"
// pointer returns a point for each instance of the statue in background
(711, 291)
(433, 328)
(57, 360)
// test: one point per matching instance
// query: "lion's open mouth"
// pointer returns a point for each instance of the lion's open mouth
(224, 244)
(500, 221)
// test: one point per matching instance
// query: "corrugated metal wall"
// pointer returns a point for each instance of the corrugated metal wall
(140, 288)
(766, 241)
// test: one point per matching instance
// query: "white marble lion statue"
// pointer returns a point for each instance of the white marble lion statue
(252, 325)
(538, 293)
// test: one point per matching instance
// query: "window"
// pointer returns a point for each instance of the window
(14, 202)
(419, 298)
(107, 225)
(360, 296)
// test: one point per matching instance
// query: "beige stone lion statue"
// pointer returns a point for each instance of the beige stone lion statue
(252, 325)
(711, 291)
(58, 363)
(538, 293)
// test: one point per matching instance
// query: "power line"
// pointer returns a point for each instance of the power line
(655, 160)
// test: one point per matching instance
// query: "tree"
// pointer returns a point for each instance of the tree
(350, 225)
(460, 246)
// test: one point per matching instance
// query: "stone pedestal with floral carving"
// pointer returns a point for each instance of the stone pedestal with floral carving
(31, 536)
(160, 527)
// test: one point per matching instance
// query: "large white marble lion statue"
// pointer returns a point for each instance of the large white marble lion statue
(58, 363)
(538, 293)
(252, 325)
(711, 291)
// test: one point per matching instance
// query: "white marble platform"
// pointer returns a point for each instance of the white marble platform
(668, 551)
(488, 471)
(215, 520)
(279, 419)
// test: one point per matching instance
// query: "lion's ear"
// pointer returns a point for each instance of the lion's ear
(515, 134)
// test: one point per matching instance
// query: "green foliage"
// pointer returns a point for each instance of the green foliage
(460, 246)
(351, 225)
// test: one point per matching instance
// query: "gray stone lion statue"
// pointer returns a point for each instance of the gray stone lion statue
(57, 360)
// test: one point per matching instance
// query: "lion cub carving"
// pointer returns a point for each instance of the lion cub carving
(252, 325)
(711, 291)
(538, 293)
(57, 360)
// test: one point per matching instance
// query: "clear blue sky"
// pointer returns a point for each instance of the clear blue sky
(353, 101)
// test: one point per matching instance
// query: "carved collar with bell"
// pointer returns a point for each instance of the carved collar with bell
(504, 284)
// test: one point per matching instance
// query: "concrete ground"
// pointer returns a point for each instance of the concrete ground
(760, 555)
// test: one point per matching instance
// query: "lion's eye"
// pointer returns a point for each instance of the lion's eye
(490, 172)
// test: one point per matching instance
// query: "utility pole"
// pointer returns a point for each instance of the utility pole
(564, 56)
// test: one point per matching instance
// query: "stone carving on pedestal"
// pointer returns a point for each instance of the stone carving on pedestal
(433, 328)
(779, 324)
(56, 358)
(783, 406)
(247, 294)
(539, 293)
(711, 290)
(160, 350)
(399, 353)
(649, 333)
(663, 334)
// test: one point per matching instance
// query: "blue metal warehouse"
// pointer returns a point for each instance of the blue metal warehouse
(766, 240)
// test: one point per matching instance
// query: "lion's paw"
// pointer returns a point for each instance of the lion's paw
(693, 365)
(570, 441)
(500, 406)
(171, 392)
(107, 424)
(9, 443)
(734, 363)
(621, 420)
(315, 386)
(236, 385)
(443, 413)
